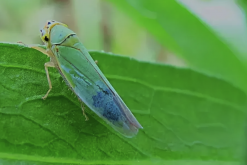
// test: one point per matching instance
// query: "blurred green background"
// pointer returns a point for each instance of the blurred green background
(99, 24)
(102, 25)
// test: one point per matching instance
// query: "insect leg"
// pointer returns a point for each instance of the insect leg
(42, 50)
(83, 111)
(48, 64)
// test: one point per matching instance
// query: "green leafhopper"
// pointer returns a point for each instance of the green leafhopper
(84, 77)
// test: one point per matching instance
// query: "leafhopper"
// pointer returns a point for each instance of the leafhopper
(83, 76)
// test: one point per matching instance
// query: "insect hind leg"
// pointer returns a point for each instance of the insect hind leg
(83, 111)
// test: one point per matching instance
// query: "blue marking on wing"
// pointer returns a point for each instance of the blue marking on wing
(104, 99)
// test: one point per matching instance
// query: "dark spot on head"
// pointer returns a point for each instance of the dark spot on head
(48, 23)
(52, 21)
(46, 38)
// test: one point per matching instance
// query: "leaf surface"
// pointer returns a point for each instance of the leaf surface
(187, 117)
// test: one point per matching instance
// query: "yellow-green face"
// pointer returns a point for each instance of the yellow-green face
(45, 31)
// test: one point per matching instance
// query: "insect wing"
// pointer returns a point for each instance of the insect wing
(90, 85)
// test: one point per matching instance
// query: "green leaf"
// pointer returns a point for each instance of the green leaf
(188, 117)
(182, 32)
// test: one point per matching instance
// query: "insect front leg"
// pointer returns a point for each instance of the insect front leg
(42, 50)
(48, 64)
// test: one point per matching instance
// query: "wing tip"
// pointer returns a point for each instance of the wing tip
(129, 130)
(137, 124)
